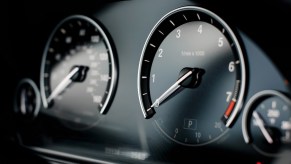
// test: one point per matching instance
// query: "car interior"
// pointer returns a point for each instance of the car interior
(145, 81)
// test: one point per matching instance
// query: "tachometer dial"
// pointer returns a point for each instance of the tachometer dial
(192, 76)
(78, 72)
(266, 122)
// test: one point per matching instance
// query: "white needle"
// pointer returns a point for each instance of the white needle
(261, 125)
(171, 90)
(22, 102)
(63, 85)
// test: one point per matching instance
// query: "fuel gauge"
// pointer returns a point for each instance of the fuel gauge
(266, 122)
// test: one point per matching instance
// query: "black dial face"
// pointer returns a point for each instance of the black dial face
(267, 123)
(78, 73)
(27, 99)
(191, 76)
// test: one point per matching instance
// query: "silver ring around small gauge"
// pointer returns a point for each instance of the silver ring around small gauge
(266, 123)
(27, 100)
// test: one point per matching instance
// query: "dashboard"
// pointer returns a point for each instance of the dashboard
(146, 81)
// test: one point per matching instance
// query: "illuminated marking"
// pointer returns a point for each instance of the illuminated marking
(223, 30)
(94, 73)
(89, 51)
(89, 89)
(144, 94)
(185, 17)
(144, 77)
(172, 23)
(149, 109)
(211, 21)
(152, 45)
(82, 32)
(63, 31)
(58, 57)
(51, 50)
(273, 121)
(68, 40)
(237, 62)
(147, 61)
(101, 105)
(95, 38)
(258, 162)
(274, 104)
(84, 47)
(92, 57)
(236, 89)
(79, 23)
(94, 64)
(46, 75)
(198, 16)
(161, 32)
(103, 56)
(104, 77)
(229, 109)
(72, 52)
(97, 99)
(286, 125)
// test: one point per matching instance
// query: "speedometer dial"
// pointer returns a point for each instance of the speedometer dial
(192, 76)
(78, 73)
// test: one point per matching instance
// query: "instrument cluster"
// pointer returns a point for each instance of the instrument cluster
(146, 81)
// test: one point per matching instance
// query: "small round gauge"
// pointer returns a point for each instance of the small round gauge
(266, 122)
(78, 72)
(27, 99)
(192, 76)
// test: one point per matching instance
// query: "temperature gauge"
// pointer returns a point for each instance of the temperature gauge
(267, 122)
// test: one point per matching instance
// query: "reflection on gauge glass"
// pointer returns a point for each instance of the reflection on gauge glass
(27, 99)
(191, 77)
(266, 122)
(78, 72)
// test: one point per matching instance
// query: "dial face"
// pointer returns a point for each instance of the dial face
(191, 76)
(78, 73)
(267, 122)
(27, 99)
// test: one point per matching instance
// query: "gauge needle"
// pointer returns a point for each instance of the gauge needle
(78, 73)
(194, 82)
(261, 125)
